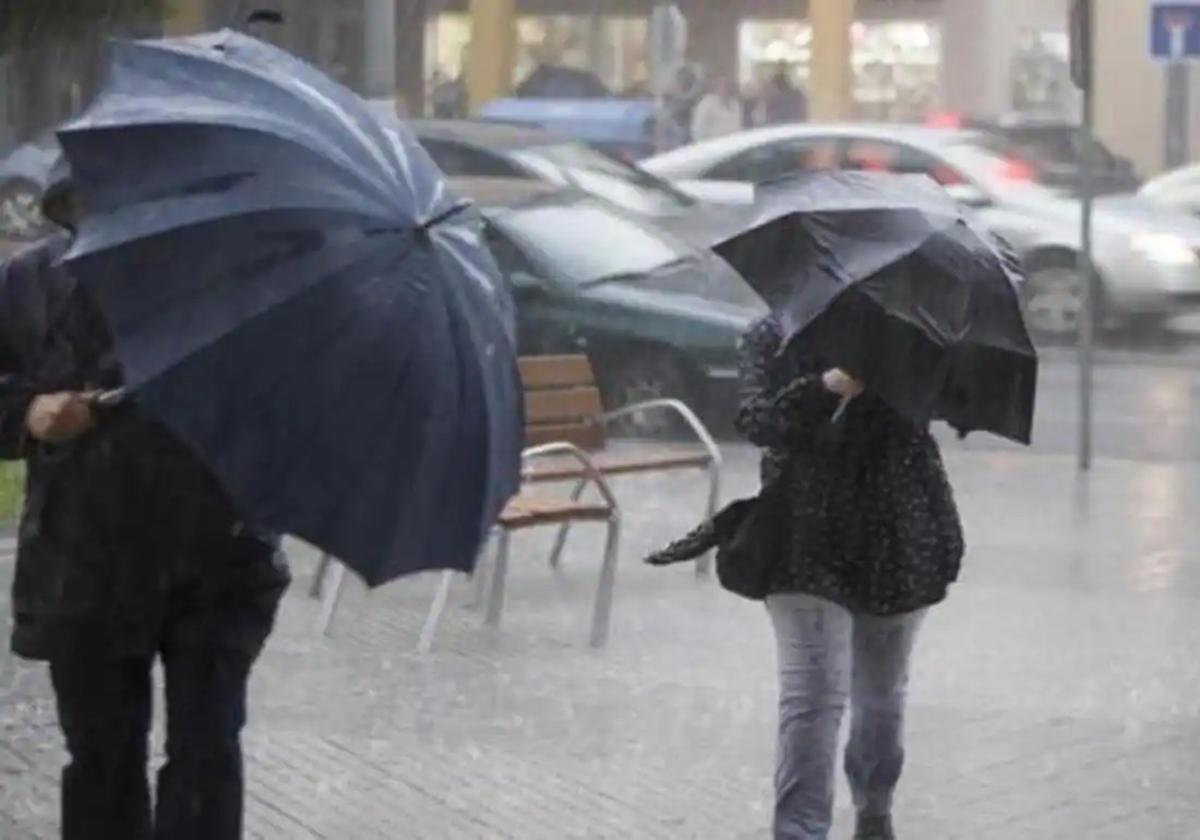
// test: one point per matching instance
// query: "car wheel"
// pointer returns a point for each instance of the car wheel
(1053, 299)
(641, 377)
(21, 211)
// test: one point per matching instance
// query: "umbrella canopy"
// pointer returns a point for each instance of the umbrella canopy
(294, 290)
(885, 278)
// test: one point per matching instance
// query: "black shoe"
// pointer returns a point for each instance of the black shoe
(874, 828)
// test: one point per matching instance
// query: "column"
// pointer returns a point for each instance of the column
(410, 55)
(831, 86)
(493, 50)
(379, 38)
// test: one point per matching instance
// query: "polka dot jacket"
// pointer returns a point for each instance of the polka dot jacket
(871, 522)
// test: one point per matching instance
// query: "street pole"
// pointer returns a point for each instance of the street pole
(1085, 77)
(379, 36)
(1178, 114)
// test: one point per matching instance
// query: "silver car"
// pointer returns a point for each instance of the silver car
(1178, 189)
(1147, 257)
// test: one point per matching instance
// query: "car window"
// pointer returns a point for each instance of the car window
(775, 160)
(613, 180)
(887, 156)
(560, 237)
(458, 160)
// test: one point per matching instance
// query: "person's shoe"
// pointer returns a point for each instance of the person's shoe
(874, 828)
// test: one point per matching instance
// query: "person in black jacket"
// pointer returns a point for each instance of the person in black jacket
(872, 539)
(865, 535)
(128, 551)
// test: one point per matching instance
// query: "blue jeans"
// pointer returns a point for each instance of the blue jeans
(828, 658)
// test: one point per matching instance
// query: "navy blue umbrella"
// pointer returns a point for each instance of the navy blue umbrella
(293, 289)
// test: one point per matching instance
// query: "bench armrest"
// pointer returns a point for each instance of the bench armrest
(570, 450)
(681, 410)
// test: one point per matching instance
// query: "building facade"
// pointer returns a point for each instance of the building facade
(901, 58)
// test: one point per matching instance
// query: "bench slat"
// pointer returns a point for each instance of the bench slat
(564, 404)
(619, 464)
(542, 372)
(587, 436)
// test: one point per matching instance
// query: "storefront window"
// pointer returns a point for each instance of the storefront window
(613, 49)
(1042, 75)
(896, 63)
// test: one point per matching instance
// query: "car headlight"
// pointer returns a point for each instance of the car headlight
(1165, 249)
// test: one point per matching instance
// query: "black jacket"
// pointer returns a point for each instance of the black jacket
(123, 527)
(868, 517)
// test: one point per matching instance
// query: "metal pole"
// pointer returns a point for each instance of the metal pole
(1087, 275)
(379, 22)
(1178, 115)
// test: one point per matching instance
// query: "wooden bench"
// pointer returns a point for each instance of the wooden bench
(566, 434)
(562, 403)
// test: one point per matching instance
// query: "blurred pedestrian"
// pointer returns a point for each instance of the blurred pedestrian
(680, 102)
(854, 536)
(783, 101)
(449, 97)
(128, 551)
(718, 113)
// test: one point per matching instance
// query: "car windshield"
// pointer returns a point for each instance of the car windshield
(557, 238)
(613, 180)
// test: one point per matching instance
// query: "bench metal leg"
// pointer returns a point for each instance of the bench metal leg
(602, 615)
(704, 563)
(434, 618)
(480, 577)
(329, 602)
(318, 582)
(499, 572)
(564, 530)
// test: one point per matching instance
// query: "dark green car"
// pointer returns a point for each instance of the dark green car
(658, 317)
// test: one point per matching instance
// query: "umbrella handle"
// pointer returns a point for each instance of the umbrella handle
(841, 410)
(107, 399)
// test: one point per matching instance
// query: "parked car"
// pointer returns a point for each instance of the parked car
(471, 149)
(657, 316)
(1146, 257)
(1054, 149)
(23, 176)
(1178, 189)
(476, 149)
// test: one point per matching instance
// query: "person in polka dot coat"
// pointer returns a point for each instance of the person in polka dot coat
(870, 538)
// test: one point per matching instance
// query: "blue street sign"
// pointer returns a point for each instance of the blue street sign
(1175, 30)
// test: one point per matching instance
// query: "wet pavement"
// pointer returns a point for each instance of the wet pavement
(1056, 693)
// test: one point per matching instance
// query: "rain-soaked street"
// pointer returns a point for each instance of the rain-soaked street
(1056, 693)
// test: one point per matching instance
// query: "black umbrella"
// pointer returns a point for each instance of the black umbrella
(294, 290)
(885, 277)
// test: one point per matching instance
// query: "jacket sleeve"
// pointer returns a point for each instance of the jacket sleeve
(778, 416)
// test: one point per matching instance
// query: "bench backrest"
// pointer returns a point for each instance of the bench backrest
(562, 402)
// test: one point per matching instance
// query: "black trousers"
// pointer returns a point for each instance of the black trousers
(105, 710)
(207, 628)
